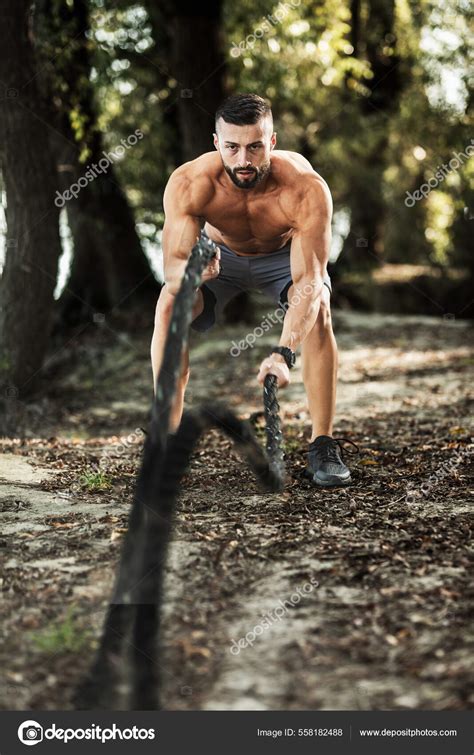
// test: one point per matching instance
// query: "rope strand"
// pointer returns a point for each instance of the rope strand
(134, 615)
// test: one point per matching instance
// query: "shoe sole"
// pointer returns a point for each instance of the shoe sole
(336, 482)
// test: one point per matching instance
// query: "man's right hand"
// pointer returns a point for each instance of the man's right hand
(213, 268)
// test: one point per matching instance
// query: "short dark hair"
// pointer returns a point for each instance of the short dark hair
(243, 109)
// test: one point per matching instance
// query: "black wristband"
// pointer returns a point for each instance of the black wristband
(288, 355)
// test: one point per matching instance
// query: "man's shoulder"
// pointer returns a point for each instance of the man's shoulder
(291, 160)
(295, 171)
(300, 182)
(192, 184)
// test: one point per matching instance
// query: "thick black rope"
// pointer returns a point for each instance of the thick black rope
(273, 427)
(133, 615)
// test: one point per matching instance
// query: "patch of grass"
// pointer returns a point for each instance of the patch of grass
(95, 481)
(291, 445)
(65, 636)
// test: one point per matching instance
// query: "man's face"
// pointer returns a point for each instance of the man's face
(245, 151)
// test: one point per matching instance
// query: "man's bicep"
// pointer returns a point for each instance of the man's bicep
(180, 233)
(311, 241)
(181, 228)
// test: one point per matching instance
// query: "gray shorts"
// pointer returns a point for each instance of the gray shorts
(270, 274)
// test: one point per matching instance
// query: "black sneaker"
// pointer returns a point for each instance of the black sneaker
(325, 465)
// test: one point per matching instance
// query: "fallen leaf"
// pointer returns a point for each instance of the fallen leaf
(118, 533)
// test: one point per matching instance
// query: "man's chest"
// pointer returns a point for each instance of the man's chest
(258, 217)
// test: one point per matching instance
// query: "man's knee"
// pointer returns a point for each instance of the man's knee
(323, 325)
(164, 307)
(324, 316)
(184, 377)
(165, 304)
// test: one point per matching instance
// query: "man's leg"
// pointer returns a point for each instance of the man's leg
(164, 309)
(319, 358)
(319, 368)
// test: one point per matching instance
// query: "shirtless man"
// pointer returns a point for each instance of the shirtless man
(270, 214)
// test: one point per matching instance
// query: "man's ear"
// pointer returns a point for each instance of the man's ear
(273, 140)
(216, 141)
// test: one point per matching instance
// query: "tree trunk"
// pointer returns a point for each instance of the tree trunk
(196, 61)
(109, 267)
(33, 243)
(364, 244)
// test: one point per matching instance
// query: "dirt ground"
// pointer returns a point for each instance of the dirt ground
(357, 598)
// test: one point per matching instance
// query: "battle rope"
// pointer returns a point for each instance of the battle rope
(133, 616)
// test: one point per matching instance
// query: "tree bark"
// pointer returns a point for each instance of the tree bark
(196, 61)
(33, 242)
(364, 244)
(109, 268)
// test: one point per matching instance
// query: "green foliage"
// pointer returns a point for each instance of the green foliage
(370, 155)
(62, 637)
(132, 84)
(373, 136)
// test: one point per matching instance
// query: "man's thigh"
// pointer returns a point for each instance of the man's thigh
(324, 311)
(322, 328)
(165, 303)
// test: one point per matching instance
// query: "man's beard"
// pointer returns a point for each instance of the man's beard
(248, 183)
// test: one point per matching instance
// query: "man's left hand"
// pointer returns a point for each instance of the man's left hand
(274, 365)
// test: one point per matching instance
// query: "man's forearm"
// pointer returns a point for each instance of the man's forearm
(302, 312)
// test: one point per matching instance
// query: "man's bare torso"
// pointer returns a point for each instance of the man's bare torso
(255, 221)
